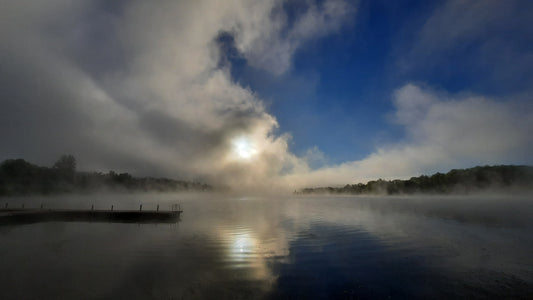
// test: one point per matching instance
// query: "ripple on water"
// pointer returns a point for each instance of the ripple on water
(252, 248)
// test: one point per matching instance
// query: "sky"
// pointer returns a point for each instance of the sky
(268, 95)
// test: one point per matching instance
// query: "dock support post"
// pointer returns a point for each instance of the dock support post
(92, 207)
(41, 206)
(112, 207)
(158, 207)
(140, 207)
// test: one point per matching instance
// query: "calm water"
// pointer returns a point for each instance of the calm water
(289, 248)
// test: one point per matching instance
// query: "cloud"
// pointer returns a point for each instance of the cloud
(442, 132)
(480, 42)
(466, 22)
(138, 87)
(269, 41)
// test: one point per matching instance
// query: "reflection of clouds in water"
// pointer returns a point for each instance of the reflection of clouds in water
(227, 248)
(487, 233)
(250, 250)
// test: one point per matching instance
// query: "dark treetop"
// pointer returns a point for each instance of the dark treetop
(19, 177)
(460, 181)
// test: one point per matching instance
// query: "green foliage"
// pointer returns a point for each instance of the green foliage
(19, 177)
(461, 181)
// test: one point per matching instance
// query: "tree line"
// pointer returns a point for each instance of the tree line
(19, 177)
(457, 181)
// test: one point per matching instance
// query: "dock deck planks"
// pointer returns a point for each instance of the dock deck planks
(25, 216)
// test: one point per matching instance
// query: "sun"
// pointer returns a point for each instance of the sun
(243, 148)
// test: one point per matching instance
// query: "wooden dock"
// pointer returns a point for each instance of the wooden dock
(28, 216)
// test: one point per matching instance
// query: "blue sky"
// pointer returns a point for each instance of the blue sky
(268, 95)
(337, 94)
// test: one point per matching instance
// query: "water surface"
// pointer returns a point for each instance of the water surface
(227, 247)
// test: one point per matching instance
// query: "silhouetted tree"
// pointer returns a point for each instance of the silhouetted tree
(66, 167)
(19, 177)
(66, 162)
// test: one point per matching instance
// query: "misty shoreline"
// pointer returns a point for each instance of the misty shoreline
(502, 179)
(21, 178)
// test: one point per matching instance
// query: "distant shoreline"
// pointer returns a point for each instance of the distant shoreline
(21, 178)
(502, 178)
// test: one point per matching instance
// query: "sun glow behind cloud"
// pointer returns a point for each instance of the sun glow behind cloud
(158, 84)
(243, 148)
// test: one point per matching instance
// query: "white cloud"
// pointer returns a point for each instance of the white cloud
(136, 86)
(269, 42)
(482, 41)
(140, 89)
(443, 132)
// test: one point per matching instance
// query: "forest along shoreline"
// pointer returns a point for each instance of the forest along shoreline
(502, 178)
(19, 177)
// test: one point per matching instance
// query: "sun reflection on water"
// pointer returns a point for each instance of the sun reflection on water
(242, 247)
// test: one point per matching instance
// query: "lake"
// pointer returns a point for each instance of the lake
(318, 247)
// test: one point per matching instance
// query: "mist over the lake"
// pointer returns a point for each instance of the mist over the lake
(266, 149)
(227, 247)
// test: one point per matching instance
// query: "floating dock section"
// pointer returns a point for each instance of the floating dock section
(28, 216)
